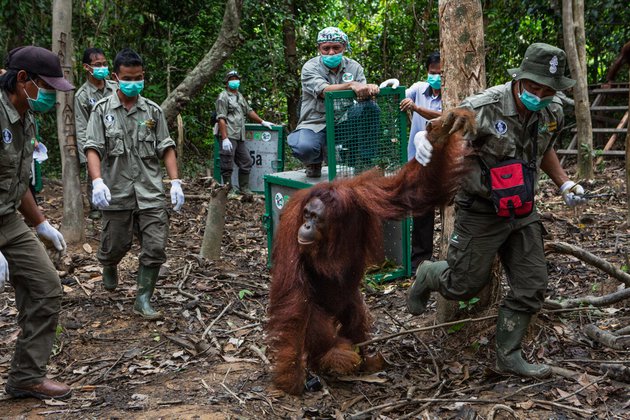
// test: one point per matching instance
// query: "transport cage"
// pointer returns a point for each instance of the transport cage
(266, 147)
(363, 134)
(279, 188)
(359, 135)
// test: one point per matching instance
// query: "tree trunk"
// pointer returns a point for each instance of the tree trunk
(464, 73)
(180, 142)
(574, 45)
(72, 223)
(215, 224)
(290, 58)
(226, 43)
(628, 159)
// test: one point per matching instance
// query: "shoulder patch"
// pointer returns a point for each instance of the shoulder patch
(7, 136)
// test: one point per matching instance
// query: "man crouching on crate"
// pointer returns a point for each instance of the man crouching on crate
(329, 71)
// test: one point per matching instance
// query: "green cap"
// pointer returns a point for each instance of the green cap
(544, 64)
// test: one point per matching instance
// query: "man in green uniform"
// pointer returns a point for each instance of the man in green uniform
(126, 137)
(518, 120)
(232, 109)
(95, 88)
(28, 85)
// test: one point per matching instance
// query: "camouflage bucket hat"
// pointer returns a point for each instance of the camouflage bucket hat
(544, 64)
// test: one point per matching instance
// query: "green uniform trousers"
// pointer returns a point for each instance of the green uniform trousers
(37, 297)
(150, 227)
(479, 235)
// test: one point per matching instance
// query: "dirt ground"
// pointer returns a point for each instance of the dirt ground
(206, 359)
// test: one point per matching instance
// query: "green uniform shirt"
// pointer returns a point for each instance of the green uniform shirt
(84, 100)
(233, 108)
(130, 145)
(16, 154)
(315, 78)
(502, 136)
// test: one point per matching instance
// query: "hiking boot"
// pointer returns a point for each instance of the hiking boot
(44, 390)
(147, 277)
(314, 170)
(110, 277)
(511, 328)
(427, 281)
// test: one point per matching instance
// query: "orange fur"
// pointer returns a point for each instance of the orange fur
(315, 305)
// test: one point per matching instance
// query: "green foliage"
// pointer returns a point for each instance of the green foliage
(468, 305)
(243, 293)
(389, 38)
(454, 328)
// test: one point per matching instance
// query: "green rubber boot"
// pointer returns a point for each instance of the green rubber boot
(427, 281)
(147, 277)
(511, 328)
(110, 277)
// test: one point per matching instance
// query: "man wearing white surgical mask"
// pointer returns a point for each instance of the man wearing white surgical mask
(95, 88)
(329, 71)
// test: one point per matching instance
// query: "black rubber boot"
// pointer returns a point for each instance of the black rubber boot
(110, 277)
(427, 281)
(243, 185)
(511, 328)
(147, 277)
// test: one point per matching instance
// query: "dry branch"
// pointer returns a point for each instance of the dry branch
(589, 300)
(587, 257)
(617, 342)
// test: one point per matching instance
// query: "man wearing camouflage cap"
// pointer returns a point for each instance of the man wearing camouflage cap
(518, 120)
(32, 76)
(329, 71)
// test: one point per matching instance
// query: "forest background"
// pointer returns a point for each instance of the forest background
(389, 38)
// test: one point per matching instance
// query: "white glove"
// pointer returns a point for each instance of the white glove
(4, 271)
(177, 195)
(50, 235)
(424, 149)
(394, 83)
(100, 193)
(227, 145)
(266, 124)
(572, 193)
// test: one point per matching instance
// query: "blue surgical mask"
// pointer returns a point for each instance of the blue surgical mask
(45, 100)
(131, 88)
(435, 81)
(234, 84)
(100, 73)
(533, 102)
(332, 61)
